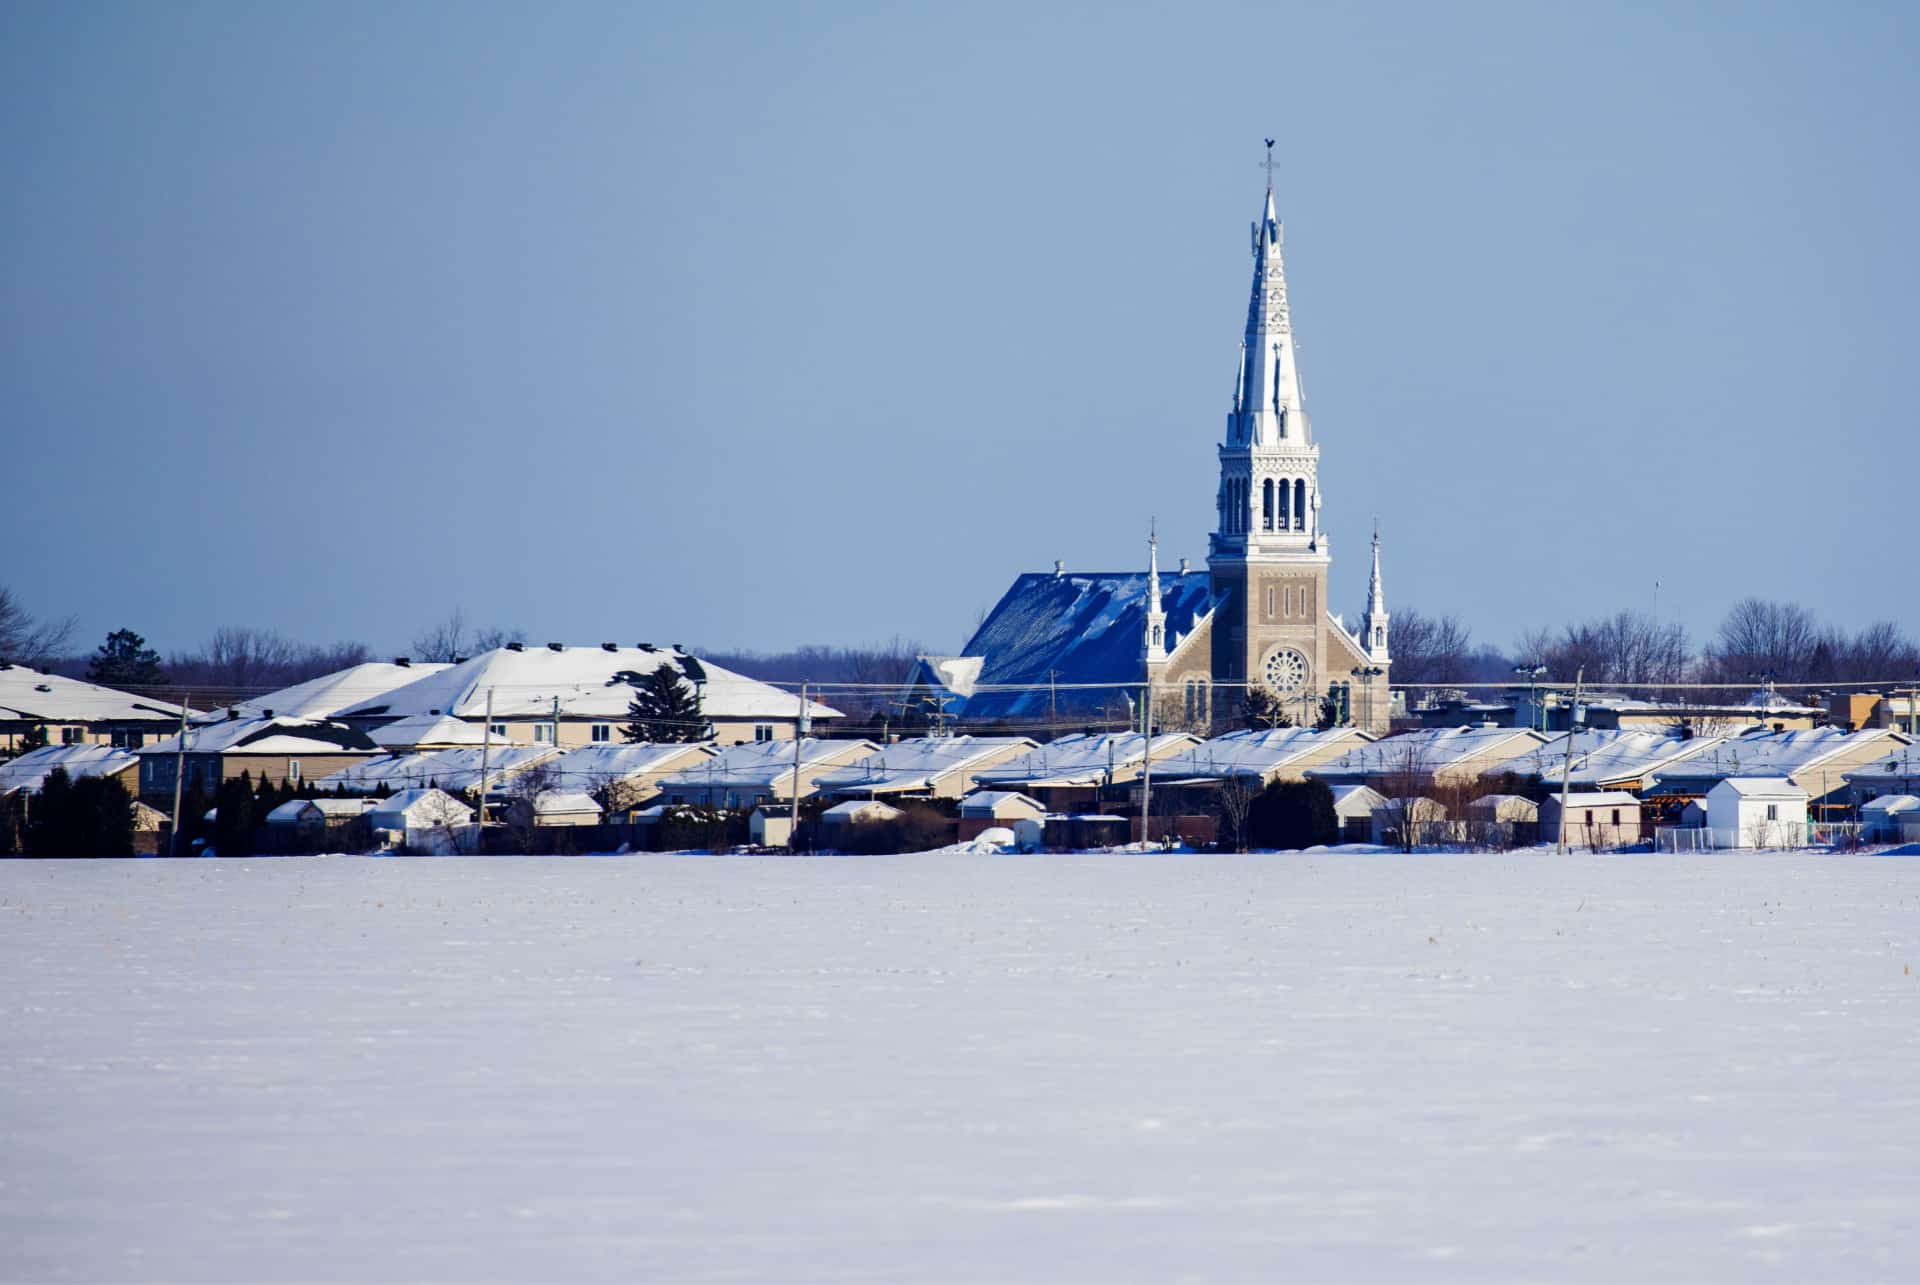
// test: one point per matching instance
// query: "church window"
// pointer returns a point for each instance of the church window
(1269, 602)
(1299, 504)
(1266, 501)
(1283, 503)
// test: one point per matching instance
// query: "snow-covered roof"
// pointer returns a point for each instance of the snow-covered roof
(1607, 756)
(1429, 750)
(767, 763)
(987, 803)
(1903, 762)
(1254, 752)
(276, 735)
(917, 764)
(1356, 800)
(590, 682)
(330, 694)
(457, 769)
(957, 675)
(30, 771)
(1505, 807)
(563, 802)
(425, 804)
(1085, 630)
(1889, 804)
(33, 696)
(1597, 799)
(1083, 759)
(858, 809)
(1764, 754)
(1761, 787)
(434, 731)
(591, 766)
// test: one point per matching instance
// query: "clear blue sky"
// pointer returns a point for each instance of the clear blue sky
(753, 326)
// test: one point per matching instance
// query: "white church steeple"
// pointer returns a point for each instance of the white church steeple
(1373, 623)
(1154, 643)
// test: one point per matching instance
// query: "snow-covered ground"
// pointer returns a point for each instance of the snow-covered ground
(962, 1068)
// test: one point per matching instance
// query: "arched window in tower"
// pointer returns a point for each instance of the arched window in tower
(1299, 504)
(1285, 490)
(1266, 505)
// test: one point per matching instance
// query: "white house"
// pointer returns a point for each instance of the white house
(1353, 807)
(425, 819)
(1757, 812)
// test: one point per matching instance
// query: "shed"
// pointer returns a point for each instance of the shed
(1415, 820)
(556, 807)
(857, 812)
(1757, 812)
(1354, 805)
(1503, 820)
(986, 809)
(1882, 818)
(1597, 819)
(770, 828)
(422, 818)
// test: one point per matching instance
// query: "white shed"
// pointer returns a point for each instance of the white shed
(557, 807)
(1002, 805)
(1353, 805)
(1757, 812)
(770, 828)
(1881, 818)
(424, 818)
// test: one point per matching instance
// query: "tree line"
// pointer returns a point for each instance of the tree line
(1759, 640)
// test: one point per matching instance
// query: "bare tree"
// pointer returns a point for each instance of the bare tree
(455, 638)
(241, 661)
(1628, 647)
(26, 640)
(1428, 649)
(1762, 637)
(1235, 802)
(521, 794)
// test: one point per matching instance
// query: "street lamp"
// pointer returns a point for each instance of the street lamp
(1533, 674)
(1366, 675)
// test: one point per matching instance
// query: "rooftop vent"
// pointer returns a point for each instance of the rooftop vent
(403, 662)
(646, 647)
(459, 660)
(266, 713)
(1184, 566)
(233, 712)
(608, 647)
(1059, 566)
(554, 647)
(42, 687)
(516, 646)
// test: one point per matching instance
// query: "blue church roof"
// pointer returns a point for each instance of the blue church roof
(1082, 628)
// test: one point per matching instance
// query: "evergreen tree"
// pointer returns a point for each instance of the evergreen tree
(125, 660)
(233, 816)
(1262, 710)
(1293, 814)
(51, 816)
(664, 708)
(101, 822)
(34, 738)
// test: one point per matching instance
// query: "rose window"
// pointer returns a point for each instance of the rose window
(1285, 671)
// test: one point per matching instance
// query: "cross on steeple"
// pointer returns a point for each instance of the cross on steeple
(1268, 165)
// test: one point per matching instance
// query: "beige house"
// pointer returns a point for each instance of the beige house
(1604, 819)
(280, 750)
(745, 776)
(70, 712)
(29, 772)
(1431, 757)
(570, 696)
(925, 767)
(1073, 771)
(628, 776)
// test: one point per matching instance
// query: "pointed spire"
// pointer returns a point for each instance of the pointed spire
(1373, 623)
(1267, 404)
(1154, 644)
(1376, 598)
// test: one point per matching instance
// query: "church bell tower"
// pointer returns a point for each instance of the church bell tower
(1268, 556)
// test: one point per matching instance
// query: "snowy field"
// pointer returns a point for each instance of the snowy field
(961, 1068)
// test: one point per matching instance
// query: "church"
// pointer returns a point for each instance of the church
(1065, 645)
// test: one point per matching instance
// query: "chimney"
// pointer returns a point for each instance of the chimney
(1184, 566)
(233, 713)
(266, 713)
(1059, 566)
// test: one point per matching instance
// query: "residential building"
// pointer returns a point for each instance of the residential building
(988, 809)
(28, 772)
(926, 767)
(70, 712)
(1428, 757)
(1897, 772)
(1256, 757)
(1073, 771)
(423, 820)
(458, 770)
(1610, 759)
(1757, 812)
(567, 696)
(281, 750)
(332, 694)
(628, 775)
(1820, 761)
(743, 776)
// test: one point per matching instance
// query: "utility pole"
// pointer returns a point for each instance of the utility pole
(486, 745)
(1146, 778)
(800, 728)
(556, 721)
(1566, 769)
(179, 777)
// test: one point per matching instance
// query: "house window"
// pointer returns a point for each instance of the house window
(543, 733)
(763, 731)
(73, 735)
(602, 731)
(500, 730)
(126, 740)
(1773, 811)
